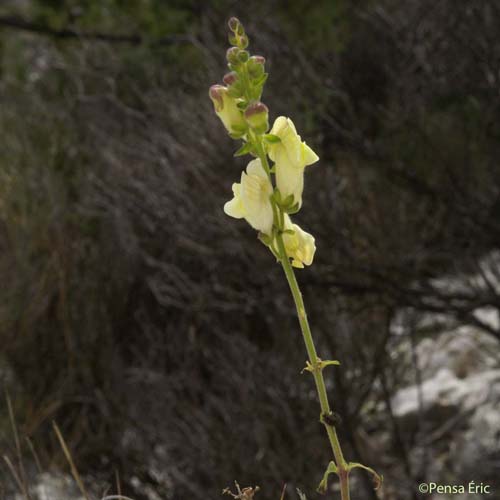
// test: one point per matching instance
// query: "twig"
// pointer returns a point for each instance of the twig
(18, 23)
(18, 447)
(35, 454)
(74, 470)
(21, 485)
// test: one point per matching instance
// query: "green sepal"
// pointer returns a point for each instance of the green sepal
(240, 31)
(377, 478)
(331, 469)
(265, 238)
(243, 41)
(245, 149)
(242, 105)
(237, 135)
(288, 201)
(256, 93)
(235, 90)
(276, 196)
(293, 209)
(272, 139)
(262, 79)
(239, 128)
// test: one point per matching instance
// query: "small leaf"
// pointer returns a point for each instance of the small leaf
(272, 139)
(307, 368)
(323, 485)
(330, 362)
(377, 478)
(246, 148)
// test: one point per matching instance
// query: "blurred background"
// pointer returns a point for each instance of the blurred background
(160, 335)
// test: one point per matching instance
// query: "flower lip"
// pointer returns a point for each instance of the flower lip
(300, 246)
(251, 198)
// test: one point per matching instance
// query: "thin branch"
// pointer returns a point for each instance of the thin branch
(18, 23)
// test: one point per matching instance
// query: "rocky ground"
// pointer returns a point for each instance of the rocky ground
(456, 413)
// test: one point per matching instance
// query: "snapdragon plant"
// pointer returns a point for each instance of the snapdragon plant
(266, 197)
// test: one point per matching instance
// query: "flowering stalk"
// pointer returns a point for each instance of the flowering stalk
(267, 195)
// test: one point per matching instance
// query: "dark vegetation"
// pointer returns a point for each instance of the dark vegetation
(158, 333)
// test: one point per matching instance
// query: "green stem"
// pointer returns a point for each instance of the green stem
(343, 472)
(342, 466)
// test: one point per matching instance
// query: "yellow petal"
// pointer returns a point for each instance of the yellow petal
(290, 180)
(234, 208)
(308, 156)
(299, 246)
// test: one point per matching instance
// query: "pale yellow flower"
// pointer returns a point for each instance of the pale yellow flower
(252, 198)
(291, 155)
(300, 246)
(226, 108)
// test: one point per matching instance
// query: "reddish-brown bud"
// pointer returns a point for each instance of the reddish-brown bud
(230, 78)
(256, 66)
(257, 115)
(258, 59)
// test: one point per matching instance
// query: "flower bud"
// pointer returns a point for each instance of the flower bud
(230, 78)
(256, 66)
(232, 55)
(233, 24)
(226, 108)
(257, 116)
(243, 56)
(243, 41)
